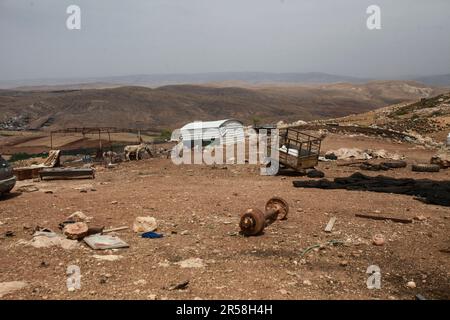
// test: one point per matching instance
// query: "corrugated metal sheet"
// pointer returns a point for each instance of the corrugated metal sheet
(226, 131)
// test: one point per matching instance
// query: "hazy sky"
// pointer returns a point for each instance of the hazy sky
(120, 37)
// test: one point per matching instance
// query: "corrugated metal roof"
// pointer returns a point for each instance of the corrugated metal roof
(207, 124)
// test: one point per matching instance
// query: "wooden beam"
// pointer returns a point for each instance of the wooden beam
(330, 224)
(376, 217)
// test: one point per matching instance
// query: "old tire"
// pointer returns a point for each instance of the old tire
(426, 168)
(395, 164)
(314, 173)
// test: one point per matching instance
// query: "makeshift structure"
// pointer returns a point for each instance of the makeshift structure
(227, 131)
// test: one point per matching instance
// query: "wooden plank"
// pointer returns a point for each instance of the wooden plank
(114, 229)
(369, 216)
(66, 173)
(330, 224)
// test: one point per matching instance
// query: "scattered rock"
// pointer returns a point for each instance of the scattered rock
(109, 257)
(9, 287)
(114, 202)
(43, 241)
(140, 282)
(441, 159)
(79, 216)
(184, 232)
(9, 234)
(411, 285)
(307, 283)
(378, 240)
(27, 188)
(144, 224)
(343, 263)
(191, 263)
(283, 291)
(180, 286)
(420, 217)
(76, 231)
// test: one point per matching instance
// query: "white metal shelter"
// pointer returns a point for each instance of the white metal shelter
(227, 131)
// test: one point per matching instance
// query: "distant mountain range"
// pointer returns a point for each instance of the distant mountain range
(252, 78)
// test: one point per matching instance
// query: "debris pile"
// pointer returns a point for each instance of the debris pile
(441, 159)
(358, 154)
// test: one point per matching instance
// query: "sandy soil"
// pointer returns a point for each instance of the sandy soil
(198, 208)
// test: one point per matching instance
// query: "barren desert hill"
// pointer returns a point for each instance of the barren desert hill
(426, 116)
(171, 106)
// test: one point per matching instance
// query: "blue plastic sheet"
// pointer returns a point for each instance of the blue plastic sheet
(151, 235)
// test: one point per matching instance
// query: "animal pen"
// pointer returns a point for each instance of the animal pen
(99, 131)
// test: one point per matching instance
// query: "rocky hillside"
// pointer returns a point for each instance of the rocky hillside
(427, 116)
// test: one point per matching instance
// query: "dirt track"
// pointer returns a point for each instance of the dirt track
(197, 209)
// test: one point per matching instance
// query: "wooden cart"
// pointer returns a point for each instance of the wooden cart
(298, 150)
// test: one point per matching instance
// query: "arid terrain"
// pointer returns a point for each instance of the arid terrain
(169, 107)
(202, 255)
(199, 219)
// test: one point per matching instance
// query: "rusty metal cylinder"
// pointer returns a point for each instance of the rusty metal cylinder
(253, 221)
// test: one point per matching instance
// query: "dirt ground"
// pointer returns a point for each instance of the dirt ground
(197, 209)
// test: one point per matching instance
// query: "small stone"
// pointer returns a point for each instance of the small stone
(283, 291)
(114, 202)
(411, 285)
(75, 231)
(420, 217)
(378, 240)
(343, 263)
(144, 224)
(79, 216)
(140, 282)
(191, 263)
(184, 232)
(307, 283)
(107, 257)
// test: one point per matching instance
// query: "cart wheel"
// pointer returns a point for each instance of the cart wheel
(279, 204)
(252, 222)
